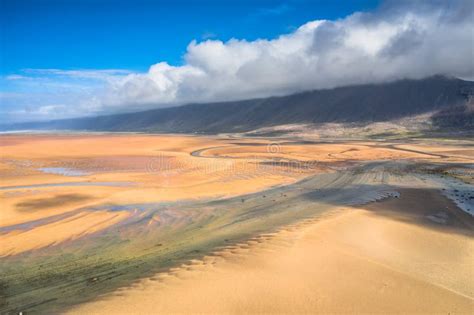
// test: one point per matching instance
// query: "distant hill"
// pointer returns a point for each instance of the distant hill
(447, 97)
(456, 117)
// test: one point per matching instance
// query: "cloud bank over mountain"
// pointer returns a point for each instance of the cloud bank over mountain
(398, 40)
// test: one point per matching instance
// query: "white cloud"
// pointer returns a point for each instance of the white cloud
(14, 77)
(403, 40)
(399, 40)
(59, 76)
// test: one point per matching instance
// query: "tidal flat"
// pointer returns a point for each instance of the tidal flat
(150, 216)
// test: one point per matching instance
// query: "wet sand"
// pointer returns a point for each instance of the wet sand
(100, 170)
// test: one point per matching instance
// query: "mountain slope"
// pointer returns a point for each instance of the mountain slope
(353, 104)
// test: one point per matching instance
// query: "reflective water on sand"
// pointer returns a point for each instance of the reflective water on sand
(114, 184)
(63, 171)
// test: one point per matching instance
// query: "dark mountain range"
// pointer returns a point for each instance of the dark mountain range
(447, 97)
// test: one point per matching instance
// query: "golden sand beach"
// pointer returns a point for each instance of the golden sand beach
(166, 224)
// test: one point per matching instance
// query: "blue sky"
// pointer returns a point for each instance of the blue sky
(73, 58)
(104, 34)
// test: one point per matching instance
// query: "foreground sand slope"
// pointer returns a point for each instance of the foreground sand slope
(352, 261)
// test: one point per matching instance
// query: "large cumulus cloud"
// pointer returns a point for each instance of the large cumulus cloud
(398, 40)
